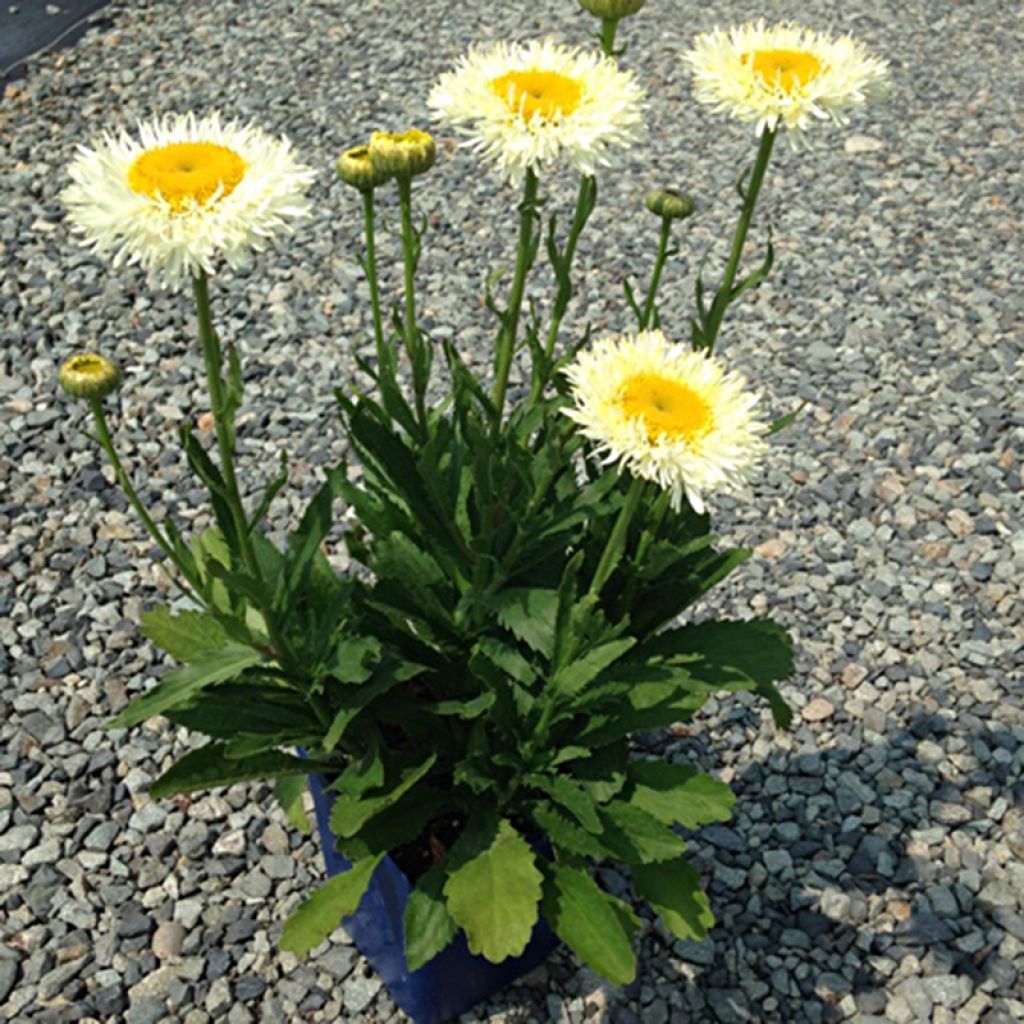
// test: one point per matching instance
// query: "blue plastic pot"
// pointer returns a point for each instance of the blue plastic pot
(455, 980)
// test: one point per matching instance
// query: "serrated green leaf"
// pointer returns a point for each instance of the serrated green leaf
(636, 836)
(677, 794)
(315, 919)
(674, 893)
(427, 924)
(228, 709)
(592, 923)
(529, 614)
(185, 636)
(574, 676)
(494, 896)
(465, 709)
(181, 685)
(571, 796)
(566, 835)
(751, 653)
(289, 793)
(210, 766)
(348, 816)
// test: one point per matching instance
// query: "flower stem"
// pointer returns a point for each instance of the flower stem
(371, 274)
(724, 295)
(608, 27)
(223, 420)
(411, 336)
(107, 444)
(510, 324)
(659, 263)
(617, 539)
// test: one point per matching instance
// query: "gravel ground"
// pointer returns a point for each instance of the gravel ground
(875, 868)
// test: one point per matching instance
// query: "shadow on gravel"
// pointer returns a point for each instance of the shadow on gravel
(852, 878)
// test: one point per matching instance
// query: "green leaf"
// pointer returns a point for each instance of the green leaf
(493, 897)
(465, 709)
(574, 676)
(751, 653)
(289, 793)
(673, 891)
(210, 766)
(228, 710)
(349, 816)
(529, 614)
(573, 798)
(354, 659)
(354, 699)
(428, 926)
(593, 924)
(636, 836)
(181, 685)
(677, 794)
(315, 919)
(566, 835)
(185, 636)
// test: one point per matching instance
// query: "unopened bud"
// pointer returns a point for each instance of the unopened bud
(403, 154)
(355, 168)
(667, 202)
(613, 9)
(89, 375)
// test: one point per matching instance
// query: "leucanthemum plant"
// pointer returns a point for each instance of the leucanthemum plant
(465, 705)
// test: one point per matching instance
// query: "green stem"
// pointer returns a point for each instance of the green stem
(608, 27)
(411, 336)
(617, 539)
(722, 297)
(584, 203)
(659, 263)
(107, 444)
(371, 273)
(510, 326)
(223, 421)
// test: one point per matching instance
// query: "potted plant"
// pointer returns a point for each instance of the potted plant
(530, 547)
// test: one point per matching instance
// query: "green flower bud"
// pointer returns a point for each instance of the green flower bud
(89, 375)
(614, 9)
(402, 154)
(667, 202)
(355, 168)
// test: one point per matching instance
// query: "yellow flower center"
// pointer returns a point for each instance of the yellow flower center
(546, 94)
(186, 173)
(787, 70)
(667, 407)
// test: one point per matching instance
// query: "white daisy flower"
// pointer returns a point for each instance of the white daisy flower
(539, 105)
(783, 75)
(184, 193)
(667, 414)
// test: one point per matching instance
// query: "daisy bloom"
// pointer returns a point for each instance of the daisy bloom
(540, 104)
(783, 74)
(667, 414)
(184, 192)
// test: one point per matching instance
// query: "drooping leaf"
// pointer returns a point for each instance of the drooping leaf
(315, 919)
(673, 890)
(494, 896)
(753, 653)
(185, 636)
(289, 793)
(592, 923)
(181, 685)
(428, 926)
(210, 766)
(678, 794)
